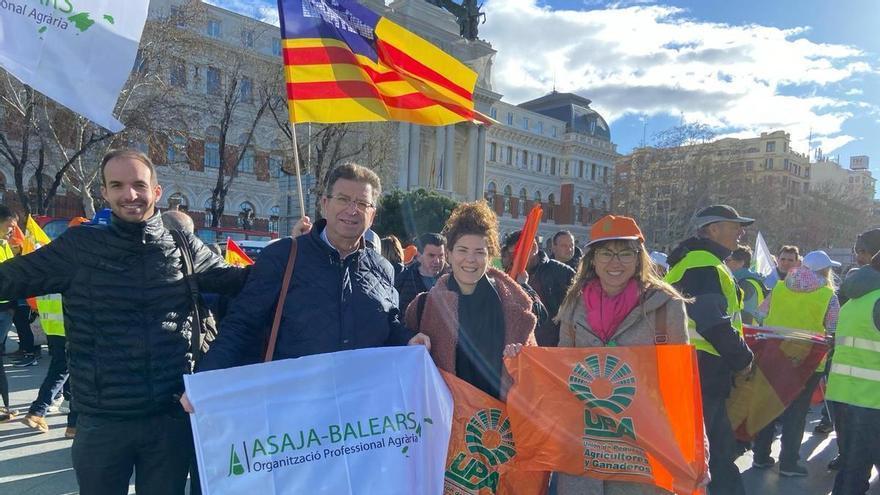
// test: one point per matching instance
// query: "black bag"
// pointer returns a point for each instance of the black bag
(204, 325)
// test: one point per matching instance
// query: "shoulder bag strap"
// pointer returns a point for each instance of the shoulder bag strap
(186, 256)
(660, 331)
(279, 307)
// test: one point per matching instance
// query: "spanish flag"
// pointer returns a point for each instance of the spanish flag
(345, 63)
(235, 256)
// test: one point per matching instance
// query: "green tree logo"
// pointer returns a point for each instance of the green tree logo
(489, 435)
(609, 385)
(235, 467)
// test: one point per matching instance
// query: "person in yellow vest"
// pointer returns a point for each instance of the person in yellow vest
(805, 301)
(696, 269)
(7, 308)
(749, 281)
(854, 378)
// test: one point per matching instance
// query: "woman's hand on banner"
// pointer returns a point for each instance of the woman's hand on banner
(302, 227)
(187, 406)
(512, 350)
(421, 339)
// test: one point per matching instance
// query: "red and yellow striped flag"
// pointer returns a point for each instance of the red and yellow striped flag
(345, 63)
(236, 256)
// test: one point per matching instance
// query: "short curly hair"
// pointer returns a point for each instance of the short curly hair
(473, 219)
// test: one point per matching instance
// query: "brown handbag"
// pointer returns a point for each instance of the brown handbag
(279, 307)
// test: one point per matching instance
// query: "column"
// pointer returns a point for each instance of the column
(415, 143)
(403, 155)
(449, 163)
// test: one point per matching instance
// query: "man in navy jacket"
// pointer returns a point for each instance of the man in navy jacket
(341, 295)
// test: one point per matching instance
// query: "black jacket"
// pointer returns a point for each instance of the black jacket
(126, 310)
(713, 319)
(550, 279)
(332, 304)
(575, 261)
(409, 284)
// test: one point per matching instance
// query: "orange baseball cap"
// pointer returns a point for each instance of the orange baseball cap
(612, 227)
(409, 253)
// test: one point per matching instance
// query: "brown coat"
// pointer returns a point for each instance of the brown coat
(440, 319)
(638, 328)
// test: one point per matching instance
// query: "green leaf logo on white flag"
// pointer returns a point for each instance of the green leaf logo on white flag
(368, 421)
(77, 52)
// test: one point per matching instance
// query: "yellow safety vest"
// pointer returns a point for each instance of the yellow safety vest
(799, 310)
(759, 289)
(732, 293)
(6, 254)
(855, 370)
(51, 314)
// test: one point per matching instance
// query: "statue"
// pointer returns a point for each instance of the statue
(468, 14)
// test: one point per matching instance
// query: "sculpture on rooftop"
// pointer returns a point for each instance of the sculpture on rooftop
(468, 13)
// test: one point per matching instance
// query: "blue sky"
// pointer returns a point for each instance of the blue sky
(743, 67)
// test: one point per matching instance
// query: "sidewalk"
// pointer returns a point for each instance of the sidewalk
(34, 463)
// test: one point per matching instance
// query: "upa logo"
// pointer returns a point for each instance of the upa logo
(489, 440)
(604, 386)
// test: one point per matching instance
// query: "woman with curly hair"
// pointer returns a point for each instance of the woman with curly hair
(617, 299)
(472, 314)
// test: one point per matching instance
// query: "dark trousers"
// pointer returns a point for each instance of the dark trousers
(157, 448)
(793, 421)
(726, 479)
(22, 321)
(838, 415)
(862, 451)
(56, 377)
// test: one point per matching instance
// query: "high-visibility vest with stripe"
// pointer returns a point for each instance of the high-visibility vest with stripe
(799, 310)
(6, 254)
(759, 289)
(51, 314)
(855, 370)
(732, 293)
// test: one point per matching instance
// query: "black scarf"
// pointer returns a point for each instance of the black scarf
(479, 352)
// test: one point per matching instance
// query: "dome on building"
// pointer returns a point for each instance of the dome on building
(574, 110)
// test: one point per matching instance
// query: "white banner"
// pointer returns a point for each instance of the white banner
(762, 261)
(369, 421)
(77, 52)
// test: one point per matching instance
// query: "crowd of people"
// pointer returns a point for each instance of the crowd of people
(129, 333)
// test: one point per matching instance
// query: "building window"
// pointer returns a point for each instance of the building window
(523, 197)
(605, 175)
(213, 81)
(768, 164)
(771, 146)
(509, 155)
(246, 90)
(526, 123)
(213, 28)
(508, 195)
(581, 169)
(567, 169)
(551, 207)
(493, 112)
(509, 118)
(275, 164)
(537, 196)
(178, 201)
(209, 215)
(246, 164)
(525, 160)
(274, 219)
(178, 74)
(540, 128)
(540, 162)
(247, 38)
(491, 190)
(276, 47)
(246, 215)
(493, 152)
(553, 166)
(176, 150)
(212, 155)
(592, 171)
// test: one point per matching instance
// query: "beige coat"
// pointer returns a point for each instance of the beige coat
(638, 328)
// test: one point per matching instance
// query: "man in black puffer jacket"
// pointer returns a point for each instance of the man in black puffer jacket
(127, 318)
(341, 294)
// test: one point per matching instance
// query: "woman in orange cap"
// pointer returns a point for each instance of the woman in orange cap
(617, 298)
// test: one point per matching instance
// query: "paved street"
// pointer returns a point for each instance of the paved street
(39, 464)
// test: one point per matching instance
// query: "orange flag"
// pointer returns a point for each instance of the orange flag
(17, 238)
(235, 256)
(613, 413)
(482, 449)
(524, 245)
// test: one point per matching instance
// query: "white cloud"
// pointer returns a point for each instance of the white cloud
(655, 60)
(854, 92)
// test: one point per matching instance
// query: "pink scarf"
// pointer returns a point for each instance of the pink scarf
(605, 313)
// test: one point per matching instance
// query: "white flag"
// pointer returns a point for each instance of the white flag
(77, 52)
(369, 421)
(762, 261)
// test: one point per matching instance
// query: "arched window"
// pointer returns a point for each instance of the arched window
(508, 194)
(209, 215)
(178, 201)
(537, 196)
(491, 190)
(523, 197)
(551, 207)
(246, 215)
(275, 219)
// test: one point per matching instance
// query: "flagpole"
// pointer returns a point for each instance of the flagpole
(299, 184)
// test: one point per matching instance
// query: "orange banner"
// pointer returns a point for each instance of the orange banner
(614, 413)
(523, 249)
(482, 449)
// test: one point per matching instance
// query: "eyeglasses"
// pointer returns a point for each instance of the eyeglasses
(627, 256)
(345, 202)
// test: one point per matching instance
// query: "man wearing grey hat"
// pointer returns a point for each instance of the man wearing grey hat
(697, 269)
